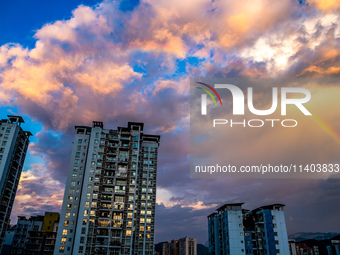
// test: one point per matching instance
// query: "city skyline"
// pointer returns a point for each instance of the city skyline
(131, 61)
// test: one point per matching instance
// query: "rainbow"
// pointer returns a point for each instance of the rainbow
(328, 128)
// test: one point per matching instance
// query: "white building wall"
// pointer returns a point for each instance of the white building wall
(235, 232)
(282, 236)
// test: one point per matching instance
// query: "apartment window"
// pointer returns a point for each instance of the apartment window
(241, 234)
(67, 215)
(81, 249)
(86, 213)
(63, 240)
(70, 199)
(84, 221)
(277, 251)
(73, 184)
(274, 225)
(62, 249)
(4, 143)
(69, 206)
(79, 147)
(87, 204)
(74, 175)
(277, 242)
(77, 154)
(66, 223)
(64, 232)
(273, 217)
(82, 239)
(275, 233)
(83, 231)
(80, 141)
(128, 232)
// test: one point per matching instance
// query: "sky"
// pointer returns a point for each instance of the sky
(67, 63)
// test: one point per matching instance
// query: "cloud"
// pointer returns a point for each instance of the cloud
(37, 192)
(325, 5)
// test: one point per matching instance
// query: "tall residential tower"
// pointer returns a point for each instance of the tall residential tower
(13, 147)
(110, 193)
(258, 232)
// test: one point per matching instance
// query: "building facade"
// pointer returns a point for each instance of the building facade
(262, 231)
(22, 230)
(110, 193)
(42, 240)
(13, 147)
(183, 246)
(29, 237)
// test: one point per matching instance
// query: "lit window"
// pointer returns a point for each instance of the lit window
(64, 232)
(63, 240)
(128, 232)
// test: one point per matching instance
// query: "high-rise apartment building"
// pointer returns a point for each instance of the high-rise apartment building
(110, 193)
(13, 147)
(259, 232)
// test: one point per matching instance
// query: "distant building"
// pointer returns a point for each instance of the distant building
(319, 247)
(259, 232)
(292, 247)
(334, 247)
(28, 237)
(13, 147)
(304, 249)
(187, 246)
(110, 192)
(7, 244)
(22, 229)
(42, 241)
(183, 246)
